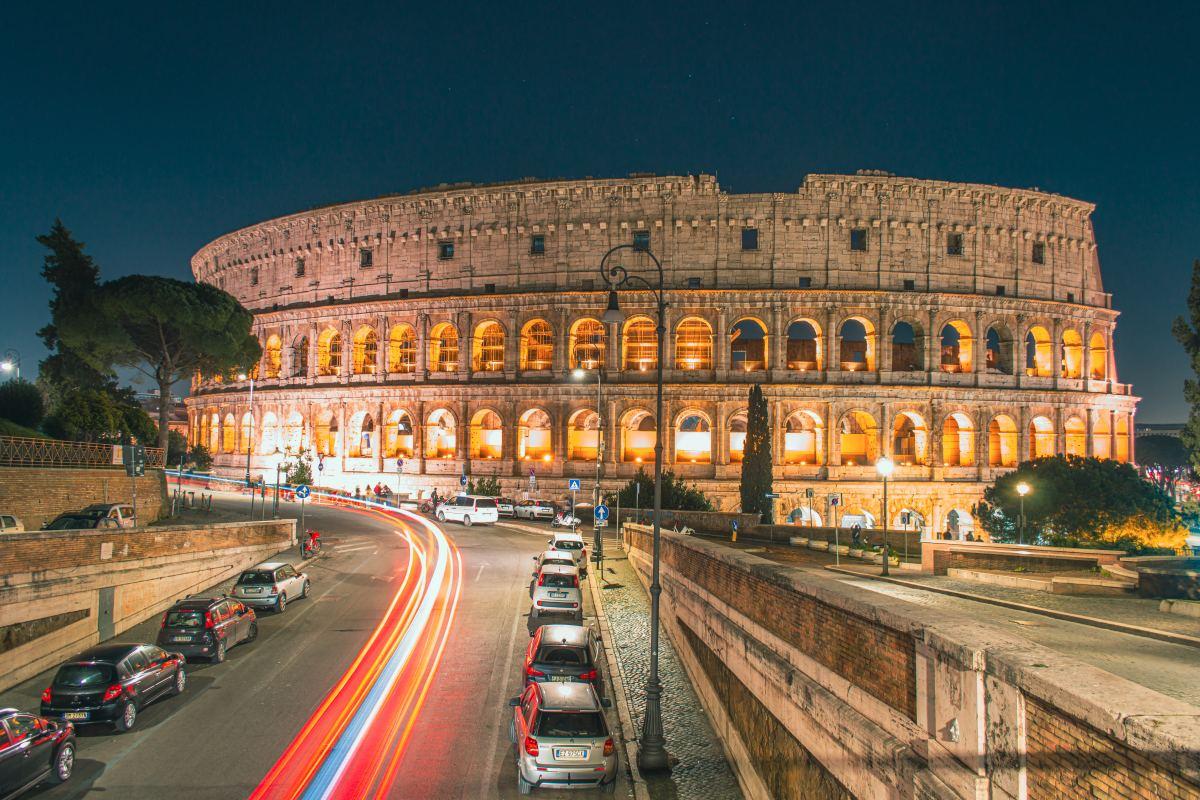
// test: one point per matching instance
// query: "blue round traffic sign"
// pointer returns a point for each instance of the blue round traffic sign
(302, 491)
(601, 512)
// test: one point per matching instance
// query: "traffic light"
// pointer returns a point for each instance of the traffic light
(135, 460)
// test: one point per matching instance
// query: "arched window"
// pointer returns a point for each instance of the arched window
(693, 440)
(402, 349)
(856, 345)
(737, 437)
(803, 439)
(360, 443)
(958, 441)
(489, 348)
(1041, 438)
(269, 440)
(1075, 437)
(910, 439)
(748, 346)
(294, 440)
(999, 350)
(245, 439)
(214, 429)
(858, 435)
(638, 433)
(588, 339)
(583, 435)
(803, 346)
(273, 356)
(1038, 353)
(1098, 354)
(537, 345)
(957, 344)
(1122, 435)
(1002, 442)
(366, 350)
(229, 435)
(443, 348)
(1072, 355)
(906, 356)
(533, 436)
(327, 434)
(398, 435)
(640, 345)
(1102, 435)
(693, 344)
(329, 352)
(300, 358)
(440, 435)
(487, 435)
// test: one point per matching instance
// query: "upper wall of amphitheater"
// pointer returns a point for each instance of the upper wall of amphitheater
(864, 231)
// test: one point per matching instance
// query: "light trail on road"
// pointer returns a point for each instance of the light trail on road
(353, 743)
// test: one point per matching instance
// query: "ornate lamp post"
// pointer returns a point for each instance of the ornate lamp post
(12, 362)
(652, 753)
(580, 374)
(249, 441)
(1022, 490)
(884, 467)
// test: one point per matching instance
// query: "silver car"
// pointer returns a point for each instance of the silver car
(271, 585)
(562, 738)
(556, 591)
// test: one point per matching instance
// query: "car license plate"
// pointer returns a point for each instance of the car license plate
(75, 715)
(181, 638)
(558, 594)
(570, 753)
(254, 591)
(561, 678)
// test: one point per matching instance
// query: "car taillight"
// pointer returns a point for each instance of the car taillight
(112, 692)
(583, 554)
(574, 605)
(542, 579)
(208, 621)
(530, 671)
(576, 579)
(274, 590)
(608, 747)
(590, 675)
(164, 620)
(46, 695)
(531, 746)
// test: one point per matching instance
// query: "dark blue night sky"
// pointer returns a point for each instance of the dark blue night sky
(152, 129)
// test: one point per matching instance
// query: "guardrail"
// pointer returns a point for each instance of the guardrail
(21, 451)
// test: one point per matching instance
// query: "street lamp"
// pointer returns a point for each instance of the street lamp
(598, 545)
(885, 467)
(652, 752)
(249, 439)
(12, 362)
(1023, 489)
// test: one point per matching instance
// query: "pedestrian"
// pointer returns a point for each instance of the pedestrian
(357, 494)
(378, 490)
(856, 535)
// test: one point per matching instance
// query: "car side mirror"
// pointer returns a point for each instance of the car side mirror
(605, 702)
(533, 558)
(513, 702)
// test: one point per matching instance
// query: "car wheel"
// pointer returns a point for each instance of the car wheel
(219, 656)
(512, 731)
(441, 516)
(64, 763)
(534, 613)
(610, 787)
(252, 634)
(281, 603)
(304, 590)
(180, 681)
(523, 786)
(128, 717)
(466, 521)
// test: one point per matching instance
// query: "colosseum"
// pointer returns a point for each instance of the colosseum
(413, 339)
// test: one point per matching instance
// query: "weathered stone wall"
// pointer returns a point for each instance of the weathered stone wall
(39, 494)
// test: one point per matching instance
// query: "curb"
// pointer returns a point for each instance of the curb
(1066, 616)
(628, 734)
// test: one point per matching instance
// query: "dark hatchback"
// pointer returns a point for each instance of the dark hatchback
(33, 749)
(111, 683)
(564, 654)
(207, 627)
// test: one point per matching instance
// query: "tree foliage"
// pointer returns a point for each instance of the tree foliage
(1164, 451)
(487, 486)
(200, 458)
(299, 471)
(676, 495)
(177, 449)
(21, 402)
(1081, 502)
(1187, 332)
(756, 457)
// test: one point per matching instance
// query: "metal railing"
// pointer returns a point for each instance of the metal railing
(20, 451)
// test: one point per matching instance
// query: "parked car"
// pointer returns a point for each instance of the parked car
(111, 683)
(534, 509)
(564, 653)
(271, 585)
(571, 542)
(562, 738)
(33, 749)
(11, 524)
(468, 509)
(505, 507)
(561, 557)
(207, 627)
(81, 520)
(121, 512)
(556, 591)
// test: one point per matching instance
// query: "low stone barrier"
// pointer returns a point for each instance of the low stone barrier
(937, 556)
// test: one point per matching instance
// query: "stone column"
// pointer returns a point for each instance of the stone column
(512, 346)
(1111, 356)
(1087, 365)
(347, 350)
(721, 346)
(1056, 356)
(933, 346)
(462, 434)
(466, 339)
(883, 350)
(381, 349)
(1060, 434)
(561, 342)
(423, 359)
(776, 358)
(831, 351)
(1024, 445)
(341, 437)
(612, 349)
(1089, 424)
(979, 348)
(380, 437)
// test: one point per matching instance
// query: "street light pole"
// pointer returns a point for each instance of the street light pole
(884, 467)
(652, 752)
(1022, 490)
(598, 544)
(250, 441)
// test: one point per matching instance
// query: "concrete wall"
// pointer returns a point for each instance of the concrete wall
(881, 699)
(938, 556)
(39, 494)
(62, 591)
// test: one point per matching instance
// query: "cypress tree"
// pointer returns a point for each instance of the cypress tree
(1187, 332)
(756, 457)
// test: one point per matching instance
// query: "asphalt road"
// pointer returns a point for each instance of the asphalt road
(220, 737)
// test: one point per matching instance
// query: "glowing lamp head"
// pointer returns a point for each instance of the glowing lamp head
(579, 374)
(613, 312)
(885, 467)
(546, 458)
(6, 365)
(241, 376)
(1022, 488)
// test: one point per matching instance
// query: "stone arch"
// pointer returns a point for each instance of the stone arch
(326, 433)
(273, 356)
(229, 434)
(399, 435)
(858, 438)
(693, 438)
(1122, 437)
(269, 438)
(402, 349)
(693, 344)
(214, 442)
(639, 344)
(1102, 434)
(360, 436)
(294, 438)
(535, 439)
(443, 348)
(856, 344)
(998, 351)
(1098, 355)
(907, 349)
(958, 440)
(300, 357)
(957, 347)
(487, 435)
(1041, 437)
(804, 438)
(1072, 354)
(908, 519)
(960, 523)
(487, 348)
(246, 433)
(910, 439)
(537, 346)
(583, 435)
(1075, 436)
(748, 345)
(366, 351)
(1038, 353)
(440, 434)
(806, 517)
(638, 431)
(857, 515)
(1003, 446)
(587, 342)
(804, 345)
(329, 352)
(738, 423)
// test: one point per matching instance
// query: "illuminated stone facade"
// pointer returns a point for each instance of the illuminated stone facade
(958, 328)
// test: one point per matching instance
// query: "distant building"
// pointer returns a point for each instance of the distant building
(178, 421)
(1172, 429)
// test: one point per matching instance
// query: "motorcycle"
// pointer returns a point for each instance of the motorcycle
(565, 520)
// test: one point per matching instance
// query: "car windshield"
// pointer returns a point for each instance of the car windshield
(565, 562)
(568, 545)
(185, 619)
(570, 724)
(558, 580)
(256, 578)
(489, 503)
(84, 675)
(71, 523)
(560, 654)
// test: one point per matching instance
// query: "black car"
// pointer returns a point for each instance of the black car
(111, 683)
(207, 627)
(33, 749)
(81, 520)
(564, 653)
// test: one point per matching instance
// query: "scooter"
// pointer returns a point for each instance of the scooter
(564, 520)
(311, 546)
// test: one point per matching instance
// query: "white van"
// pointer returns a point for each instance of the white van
(11, 524)
(469, 509)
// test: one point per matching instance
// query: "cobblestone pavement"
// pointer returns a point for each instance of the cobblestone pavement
(702, 771)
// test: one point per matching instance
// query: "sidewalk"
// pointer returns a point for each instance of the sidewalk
(702, 771)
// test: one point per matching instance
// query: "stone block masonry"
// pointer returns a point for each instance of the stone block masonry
(37, 495)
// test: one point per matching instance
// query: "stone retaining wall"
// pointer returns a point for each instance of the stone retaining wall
(39, 494)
